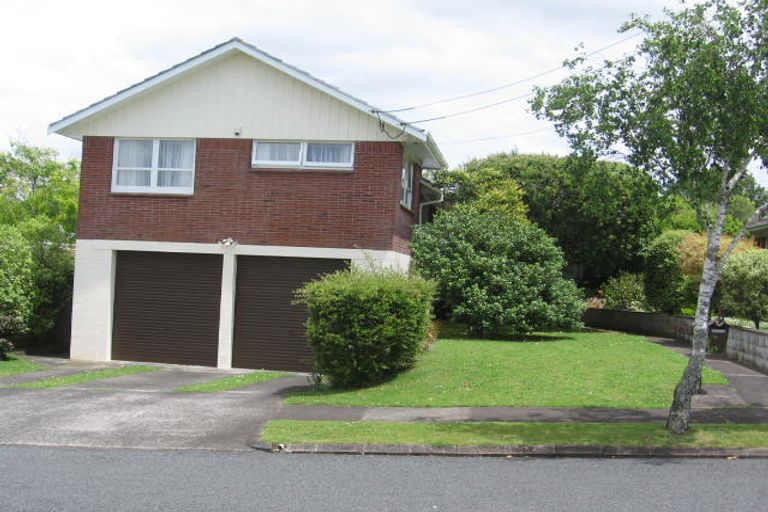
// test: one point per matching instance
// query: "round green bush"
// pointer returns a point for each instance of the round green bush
(625, 292)
(366, 326)
(496, 275)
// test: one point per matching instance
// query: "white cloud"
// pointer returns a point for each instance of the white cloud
(62, 56)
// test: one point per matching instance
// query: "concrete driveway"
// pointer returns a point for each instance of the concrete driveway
(138, 411)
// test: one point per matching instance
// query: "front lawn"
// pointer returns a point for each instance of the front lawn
(78, 378)
(579, 369)
(16, 365)
(231, 382)
(515, 434)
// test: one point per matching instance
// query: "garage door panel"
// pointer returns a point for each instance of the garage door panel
(167, 307)
(269, 330)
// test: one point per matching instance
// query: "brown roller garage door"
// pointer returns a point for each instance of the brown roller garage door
(167, 308)
(269, 330)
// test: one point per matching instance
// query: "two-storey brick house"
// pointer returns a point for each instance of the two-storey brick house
(211, 191)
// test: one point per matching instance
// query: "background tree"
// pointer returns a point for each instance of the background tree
(744, 286)
(688, 107)
(16, 286)
(601, 213)
(39, 198)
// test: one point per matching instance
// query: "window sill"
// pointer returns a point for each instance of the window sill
(152, 194)
(307, 170)
(407, 208)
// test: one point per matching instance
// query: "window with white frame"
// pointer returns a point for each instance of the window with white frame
(155, 166)
(406, 185)
(309, 155)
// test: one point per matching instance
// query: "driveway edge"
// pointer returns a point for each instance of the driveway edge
(548, 450)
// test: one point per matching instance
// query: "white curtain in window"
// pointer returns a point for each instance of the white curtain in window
(406, 182)
(134, 177)
(176, 154)
(134, 154)
(278, 151)
(329, 153)
(174, 178)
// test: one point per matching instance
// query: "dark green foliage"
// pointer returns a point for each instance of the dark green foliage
(665, 284)
(496, 275)
(6, 347)
(366, 326)
(625, 292)
(602, 214)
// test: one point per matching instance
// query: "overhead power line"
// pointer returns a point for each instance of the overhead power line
(475, 109)
(481, 107)
(506, 136)
(507, 85)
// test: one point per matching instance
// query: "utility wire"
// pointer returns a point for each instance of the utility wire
(508, 135)
(508, 85)
(481, 107)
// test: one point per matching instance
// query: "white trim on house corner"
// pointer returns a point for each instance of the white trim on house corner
(237, 44)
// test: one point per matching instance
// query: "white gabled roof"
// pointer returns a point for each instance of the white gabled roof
(237, 44)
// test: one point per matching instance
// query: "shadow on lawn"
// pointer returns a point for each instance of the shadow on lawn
(449, 330)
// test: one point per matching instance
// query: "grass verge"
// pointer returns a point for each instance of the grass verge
(515, 434)
(574, 369)
(78, 378)
(17, 364)
(233, 382)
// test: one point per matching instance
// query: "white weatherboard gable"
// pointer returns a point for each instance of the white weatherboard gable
(236, 90)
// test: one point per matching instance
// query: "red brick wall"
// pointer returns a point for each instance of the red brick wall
(261, 207)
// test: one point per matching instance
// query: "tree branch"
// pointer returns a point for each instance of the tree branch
(741, 172)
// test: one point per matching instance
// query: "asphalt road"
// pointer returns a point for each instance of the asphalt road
(76, 479)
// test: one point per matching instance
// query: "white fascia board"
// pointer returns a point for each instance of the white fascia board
(222, 49)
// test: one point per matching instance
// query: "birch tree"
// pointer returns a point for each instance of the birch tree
(689, 106)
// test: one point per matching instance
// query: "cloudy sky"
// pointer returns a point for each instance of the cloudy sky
(62, 56)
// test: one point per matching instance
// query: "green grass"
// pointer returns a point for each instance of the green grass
(235, 381)
(17, 364)
(495, 433)
(580, 369)
(78, 378)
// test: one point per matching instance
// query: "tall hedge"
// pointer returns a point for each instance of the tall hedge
(365, 326)
(665, 283)
(495, 274)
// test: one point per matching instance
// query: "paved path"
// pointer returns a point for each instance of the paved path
(544, 414)
(86, 480)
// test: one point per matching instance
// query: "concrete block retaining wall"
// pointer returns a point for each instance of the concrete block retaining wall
(744, 345)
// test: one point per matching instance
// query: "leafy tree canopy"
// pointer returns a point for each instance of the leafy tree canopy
(602, 214)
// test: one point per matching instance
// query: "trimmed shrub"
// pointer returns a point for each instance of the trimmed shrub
(16, 285)
(496, 275)
(6, 347)
(625, 292)
(366, 326)
(744, 286)
(665, 284)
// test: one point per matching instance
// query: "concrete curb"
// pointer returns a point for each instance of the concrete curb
(515, 451)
